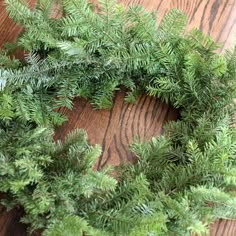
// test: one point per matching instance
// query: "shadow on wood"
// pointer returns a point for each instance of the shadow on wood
(10, 223)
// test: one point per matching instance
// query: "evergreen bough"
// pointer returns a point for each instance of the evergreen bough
(182, 181)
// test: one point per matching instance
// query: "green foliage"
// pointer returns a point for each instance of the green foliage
(71, 226)
(50, 180)
(175, 161)
(182, 181)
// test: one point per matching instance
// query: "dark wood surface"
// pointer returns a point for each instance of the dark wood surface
(114, 129)
(10, 223)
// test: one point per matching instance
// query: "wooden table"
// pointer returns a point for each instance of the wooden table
(114, 129)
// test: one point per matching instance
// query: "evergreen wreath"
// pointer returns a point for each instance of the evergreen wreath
(182, 181)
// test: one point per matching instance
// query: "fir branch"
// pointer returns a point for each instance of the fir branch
(92, 53)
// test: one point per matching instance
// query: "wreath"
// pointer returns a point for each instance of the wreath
(182, 181)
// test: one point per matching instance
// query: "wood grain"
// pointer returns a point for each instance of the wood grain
(8, 29)
(214, 17)
(114, 129)
(224, 228)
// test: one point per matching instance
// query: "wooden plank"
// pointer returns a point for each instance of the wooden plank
(114, 129)
(9, 30)
(151, 5)
(214, 17)
(224, 228)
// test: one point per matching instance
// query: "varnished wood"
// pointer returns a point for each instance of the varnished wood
(214, 17)
(8, 29)
(114, 129)
(224, 228)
